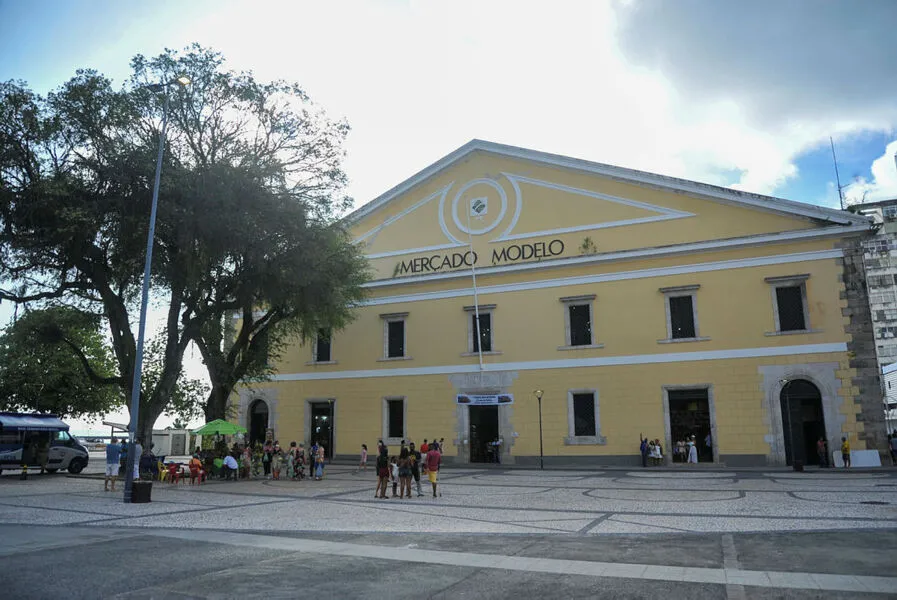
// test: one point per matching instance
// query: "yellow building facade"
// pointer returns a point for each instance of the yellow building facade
(563, 308)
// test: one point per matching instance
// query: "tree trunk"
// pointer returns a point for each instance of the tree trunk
(216, 405)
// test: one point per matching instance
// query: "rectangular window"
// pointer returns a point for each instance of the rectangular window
(485, 337)
(396, 339)
(682, 317)
(395, 418)
(584, 415)
(322, 346)
(580, 324)
(790, 302)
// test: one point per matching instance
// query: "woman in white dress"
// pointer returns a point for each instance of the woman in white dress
(692, 451)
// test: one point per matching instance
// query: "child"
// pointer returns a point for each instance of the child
(363, 465)
(276, 462)
(394, 475)
(845, 452)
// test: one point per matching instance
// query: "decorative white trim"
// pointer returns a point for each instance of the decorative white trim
(683, 340)
(414, 251)
(569, 363)
(394, 318)
(701, 190)
(707, 267)
(793, 332)
(410, 209)
(623, 255)
(464, 188)
(665, 214)
(583, 347)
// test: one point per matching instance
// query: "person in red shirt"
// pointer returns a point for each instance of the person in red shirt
(434, 458)
(424, 448)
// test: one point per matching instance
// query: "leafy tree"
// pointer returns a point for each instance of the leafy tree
(55, 360)
(247, 221)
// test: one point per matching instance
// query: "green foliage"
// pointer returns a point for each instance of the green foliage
(248, 218)
(55, 360)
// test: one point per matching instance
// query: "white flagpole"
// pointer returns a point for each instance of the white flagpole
(476, 300)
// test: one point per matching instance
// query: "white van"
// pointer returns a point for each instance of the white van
(36, 440)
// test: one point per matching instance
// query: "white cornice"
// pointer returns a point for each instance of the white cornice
(687, 269)
(703, 190)
(567, 363)
(608, 257)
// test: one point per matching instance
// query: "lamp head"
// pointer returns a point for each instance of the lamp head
(538, 394)
(183, 80)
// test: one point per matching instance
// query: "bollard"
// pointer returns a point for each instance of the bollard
(24, 475)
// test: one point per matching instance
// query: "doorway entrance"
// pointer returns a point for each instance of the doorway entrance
(322, 426)
(802, 421)
(483, 431)
(690, 416)
(258, 422)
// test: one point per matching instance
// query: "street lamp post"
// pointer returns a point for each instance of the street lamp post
(795, 464)
(538, 394)
(144, 300)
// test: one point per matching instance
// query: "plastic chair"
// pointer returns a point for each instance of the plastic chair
(163, 473)
(175, 473)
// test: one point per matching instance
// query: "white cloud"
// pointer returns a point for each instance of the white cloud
(882, 186)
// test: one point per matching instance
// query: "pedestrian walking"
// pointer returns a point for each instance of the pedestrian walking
(363, 463)
(434, 458)
(113, 453)
(845, 452)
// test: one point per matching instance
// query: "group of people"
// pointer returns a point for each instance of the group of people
(684, 451)
(271, 461)
(407, 466)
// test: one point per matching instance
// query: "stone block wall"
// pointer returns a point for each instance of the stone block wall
(870, 418)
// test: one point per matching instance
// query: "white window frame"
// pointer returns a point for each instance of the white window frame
(388, 318)
(800, 281)
(394, 441)
(680, 291)
(314, 352)
(582, 300)
(469, 312)
(583, 440)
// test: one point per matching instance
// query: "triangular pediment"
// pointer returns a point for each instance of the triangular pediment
(486, 197)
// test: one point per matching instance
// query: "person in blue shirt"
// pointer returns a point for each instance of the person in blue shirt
(113, 454)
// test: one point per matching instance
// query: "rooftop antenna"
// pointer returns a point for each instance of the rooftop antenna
(837, 176)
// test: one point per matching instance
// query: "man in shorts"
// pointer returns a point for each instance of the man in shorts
(433, 460)
(113, 453)
(415, 467)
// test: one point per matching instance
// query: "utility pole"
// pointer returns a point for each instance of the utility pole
(837, 176)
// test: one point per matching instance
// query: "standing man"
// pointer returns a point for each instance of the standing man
(433, 460)
(643, 448)
(113, 454)
(845, 452)
(415, 467)
(123, 455)
(138, 452)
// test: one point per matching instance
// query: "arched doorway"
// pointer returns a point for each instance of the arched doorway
(258, 421)
(802, 421)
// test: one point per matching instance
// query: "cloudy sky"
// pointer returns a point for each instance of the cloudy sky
(734, 93)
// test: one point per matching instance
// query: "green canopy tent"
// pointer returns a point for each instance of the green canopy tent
(219, 427)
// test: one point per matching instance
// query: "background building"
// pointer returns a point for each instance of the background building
(631, 303)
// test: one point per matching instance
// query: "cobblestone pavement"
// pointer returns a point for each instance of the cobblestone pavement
(481, 501)
(566, 533)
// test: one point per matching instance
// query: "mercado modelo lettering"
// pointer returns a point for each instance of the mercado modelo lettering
(513, 253)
